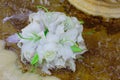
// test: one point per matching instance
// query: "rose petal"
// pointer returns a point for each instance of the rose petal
(13, 38)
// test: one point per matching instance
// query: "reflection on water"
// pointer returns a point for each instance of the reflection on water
(101, 62)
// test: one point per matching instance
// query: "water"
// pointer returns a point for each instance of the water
(102, 37)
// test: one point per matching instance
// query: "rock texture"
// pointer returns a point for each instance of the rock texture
(104, 8)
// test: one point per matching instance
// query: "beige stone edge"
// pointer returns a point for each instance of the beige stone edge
(95, 9)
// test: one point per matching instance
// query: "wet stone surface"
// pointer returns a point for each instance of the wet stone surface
(102, 37)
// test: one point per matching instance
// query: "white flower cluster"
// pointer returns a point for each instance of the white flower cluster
(52, 39)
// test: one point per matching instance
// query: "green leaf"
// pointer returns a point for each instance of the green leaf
(35, 59)
(89, 32)
(76, 48)
(33, 68)
(46, 31)
(35, 38)
(81, 22)
(19, 34)
(43, 8)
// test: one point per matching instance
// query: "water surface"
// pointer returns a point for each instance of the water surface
(102, 38)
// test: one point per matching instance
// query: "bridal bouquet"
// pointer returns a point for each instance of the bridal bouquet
(51, 40)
